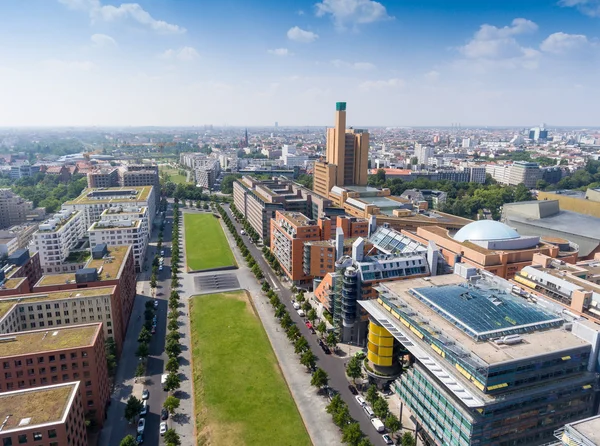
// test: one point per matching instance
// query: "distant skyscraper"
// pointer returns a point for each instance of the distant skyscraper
(347, 154)
(423, 153)
(276, 124)
(246, 139)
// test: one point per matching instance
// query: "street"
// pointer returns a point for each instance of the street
(332, 364)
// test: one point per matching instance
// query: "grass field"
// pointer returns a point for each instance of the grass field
(240, 395)
(174, 174)
(205, 243)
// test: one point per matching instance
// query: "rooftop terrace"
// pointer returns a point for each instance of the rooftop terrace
(297, 218)
(34, 407)
(94, 195)
(31, 342)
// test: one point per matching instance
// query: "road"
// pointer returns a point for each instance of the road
(116, 427)
(332, 364)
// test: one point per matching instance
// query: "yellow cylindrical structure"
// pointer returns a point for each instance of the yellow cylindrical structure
(380, 346)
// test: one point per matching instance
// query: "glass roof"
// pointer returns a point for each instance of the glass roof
(485, 313)
(392, 242)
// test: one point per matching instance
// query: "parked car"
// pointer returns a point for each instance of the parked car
(301, 313)
(141, 426)
(145, 394)
(160, 268)
(144, 410)
(164, 414)
(139, 439)
(163, 380)
(360, 400)
(153, 331)
(162, 252)
(353, 390)
(163, 428)
(324, 347)
(387, 439)
(296, 305)
(155, 303)
(378, 424)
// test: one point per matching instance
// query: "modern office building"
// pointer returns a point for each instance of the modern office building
(103, 177)
(92, 202)
(546, 218)
(55, 309)
(519, 172)
(137, 175)
(346, 160)
(22, 171)
(59, 355)
(59, 422)
(485, 367)
(55, 238)
(123, 226)
(207, 174)
(14, 210)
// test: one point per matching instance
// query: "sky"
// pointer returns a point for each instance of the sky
(254, 63)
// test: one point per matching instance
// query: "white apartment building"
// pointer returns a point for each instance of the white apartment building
(423, 153)
(93, 202)
(125, 231)
(14, 209)
(55, 238)
(207, 175)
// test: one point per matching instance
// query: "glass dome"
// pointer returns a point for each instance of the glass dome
(483, 230)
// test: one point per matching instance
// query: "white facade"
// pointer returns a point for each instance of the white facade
(55, 238)
(122, 231)
(423, 153)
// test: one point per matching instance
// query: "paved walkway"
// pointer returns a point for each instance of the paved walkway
(311, 406)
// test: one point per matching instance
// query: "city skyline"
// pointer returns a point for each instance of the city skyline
(156, 63)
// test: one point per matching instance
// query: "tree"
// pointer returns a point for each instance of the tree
(144, 336)
(381, 408)
(300, 345)
(173, 348)
(142, 350)
(172, 382)
(392, 423)
(311, 315)
(321, 327)
(331, 340)
(351, 434)
(129, 440)
(280, 310)
(335, 404)
(286, 321)
(408, 439)
(372, 394)
(173, 336)
(364, 442)
(172, 324)
(342, 417)
(132, 408)
(319, 378)
(140, 370)
(308, 359)
(153, 281)
(306, 306)
(172, 438)
(265, 286)
(354, 369)
(292, 332)
(172, 365)
(171, 403)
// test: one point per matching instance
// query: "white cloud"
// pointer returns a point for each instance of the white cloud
(560, 42)
(133, 11)
(279, 52)
(102, 40)
(185, 54)
(297, 34)
(360, 66)
(493, 45)
(382, 84)
(432, 75)
(588, 7)
(352, 12)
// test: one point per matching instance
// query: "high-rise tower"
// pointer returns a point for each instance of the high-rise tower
(347, 156)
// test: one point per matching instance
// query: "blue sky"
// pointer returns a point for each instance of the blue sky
(396, 63)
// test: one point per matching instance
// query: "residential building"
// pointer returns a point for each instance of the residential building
(423, 153)
(60, 355)
(22, 171)
(104, 177)
(55, 309)
(317, 261)
(55, 238)
(519, 172)
(493, 246)
(587, 202)
(20, 264)
(433, 199)
(16, 237)
(62, 172)
(92, 202)
(108, 266)
(137, 175)
(14, 210)
(26, 421)
(123, 226)
(483, 366)
(207, 175)
(346, 159)
(546, 218)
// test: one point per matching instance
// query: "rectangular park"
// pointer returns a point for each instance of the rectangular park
(240, 394)
(206, 246)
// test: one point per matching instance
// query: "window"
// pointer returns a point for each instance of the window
(88, 383)
(6, 365)
(44, 380)
(49, 314)
(7, 375)
(65, 377)
(7, 442)
(41, 360)
(22, 438)
(63, 357)
(53, 369)
(52, 358)
(29, 361)
(52, 433)
(84, 354)
(37, 436)
(18, 363)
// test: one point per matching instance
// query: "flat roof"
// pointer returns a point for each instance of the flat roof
(541, 342)
(136, 223)
(566, 222)
(142, 195)
(109, 267)
(31, 342)
(11, 284)
(297, 218)
(5, 307)
(24, 409)
(588, 428)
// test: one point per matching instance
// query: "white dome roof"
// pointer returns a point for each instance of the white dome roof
(484, 230)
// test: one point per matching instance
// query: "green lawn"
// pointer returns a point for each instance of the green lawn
(240, 395)
(174, 174)
(205, 243)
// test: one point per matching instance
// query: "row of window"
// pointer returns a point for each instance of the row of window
(42, 360)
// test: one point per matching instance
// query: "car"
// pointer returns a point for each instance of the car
(163, 379)
(353, 390)
(153, 331)
(141, 426)
(360, 400)
(301, 313)
(162, 252)
(296, 305)
(164, 414)
(163, 428)
(155, 303)
(145, 394)
(324, 347)
(160, 267)
(387, 439)
(144, 410)
(139, 439)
